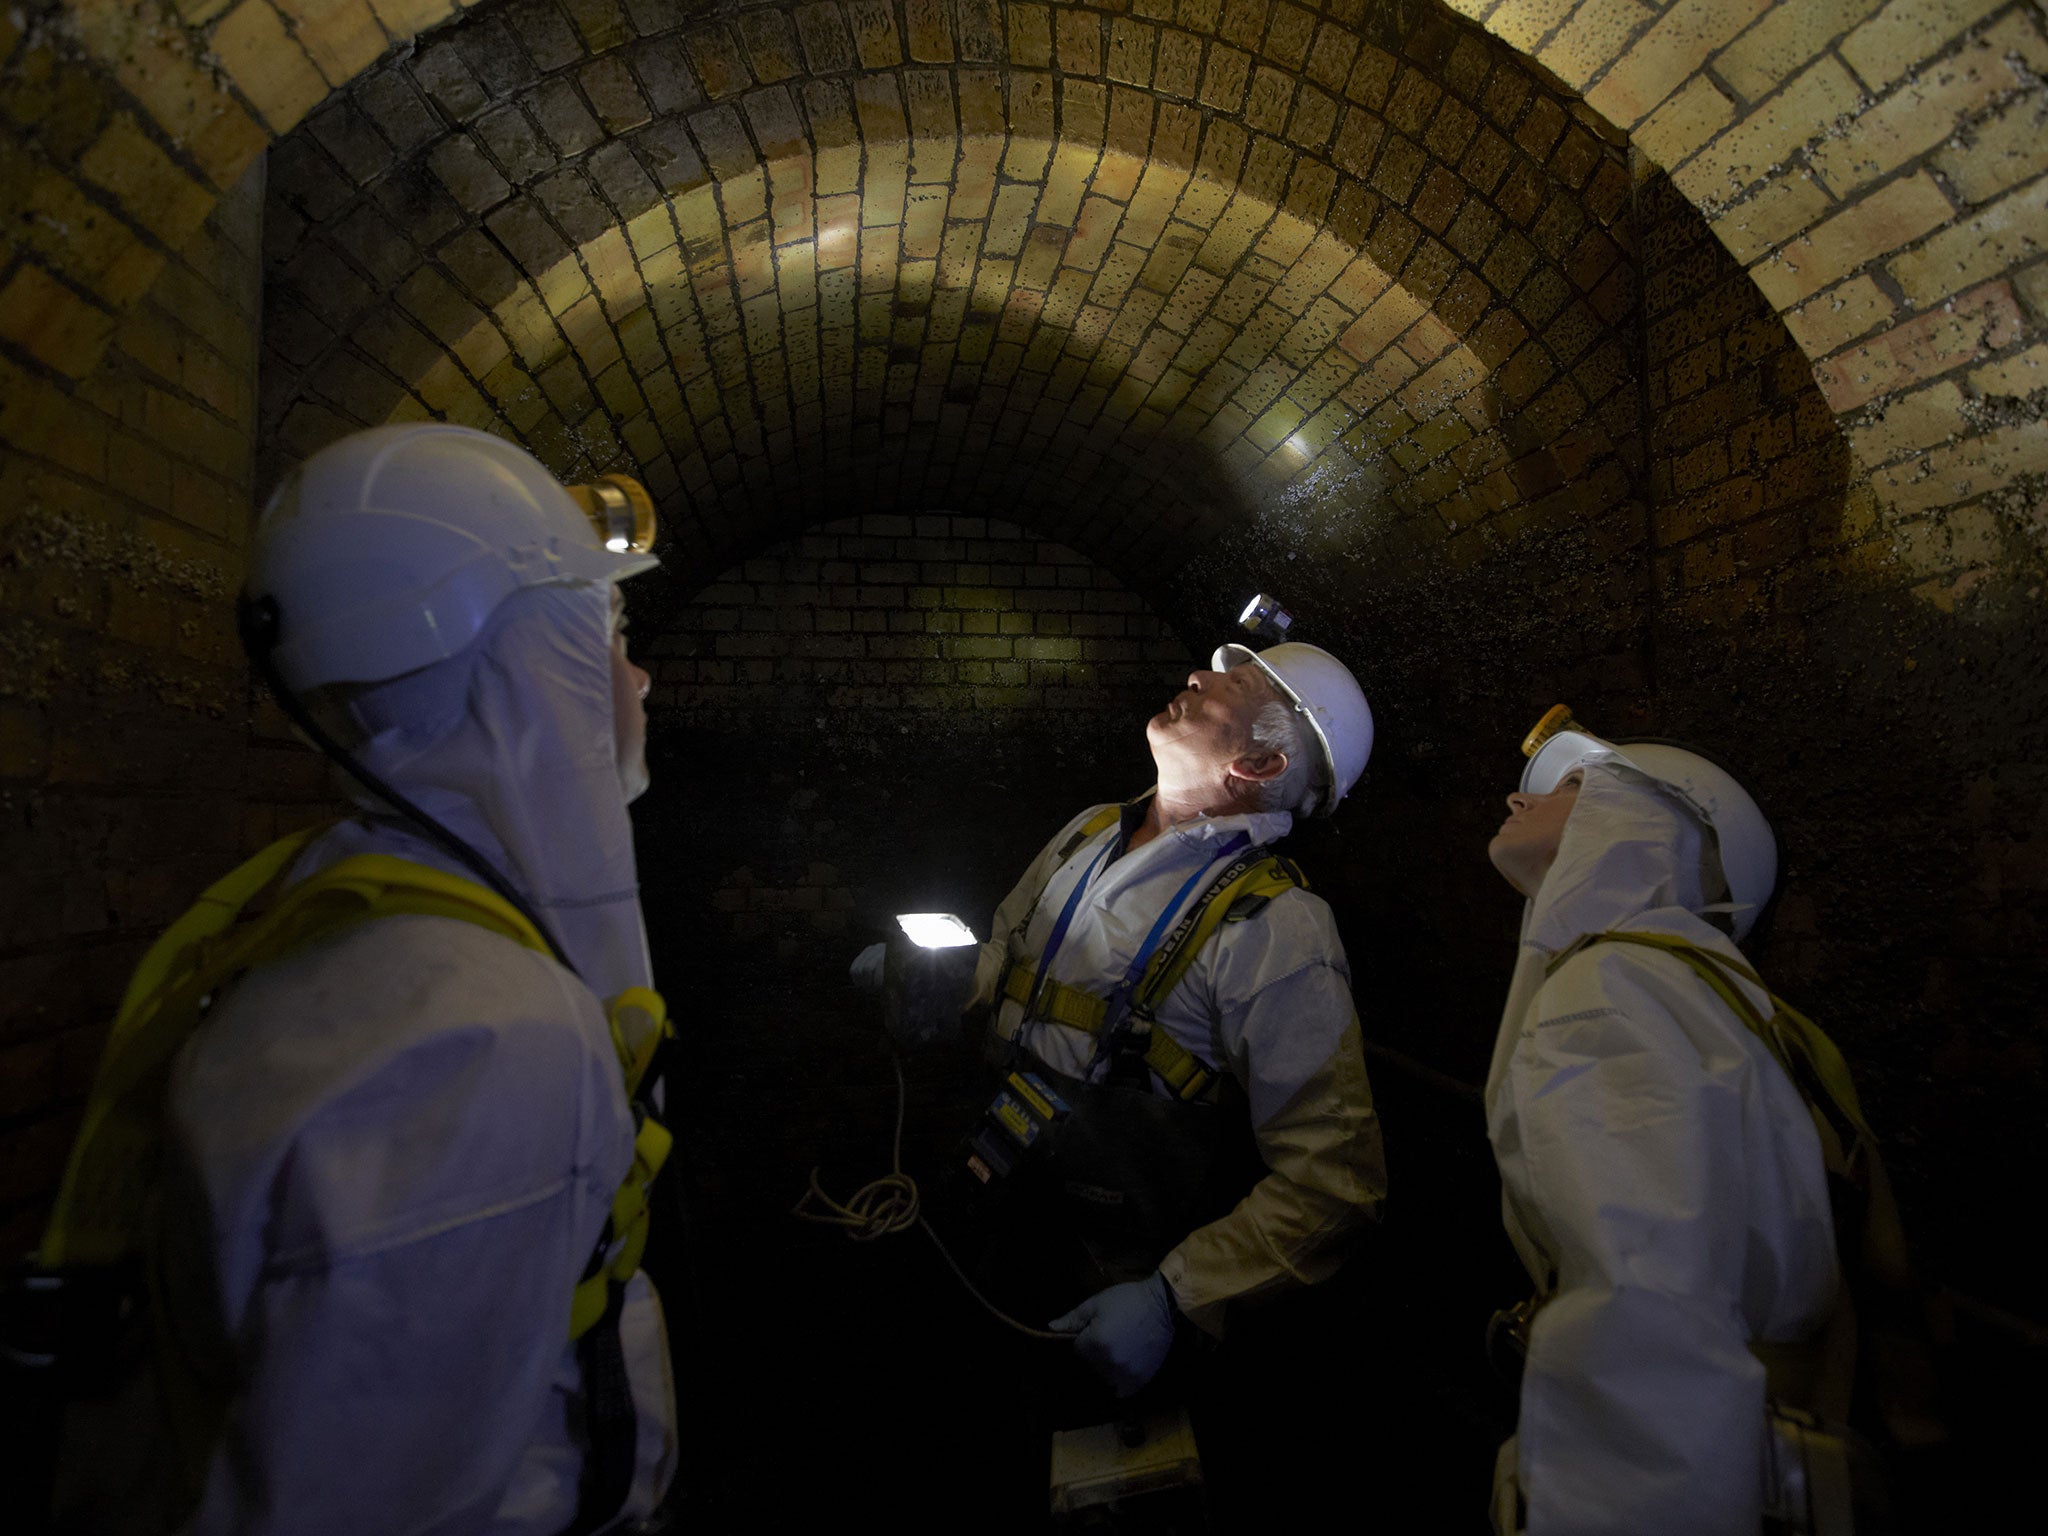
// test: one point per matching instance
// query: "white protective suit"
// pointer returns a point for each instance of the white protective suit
(406, 1139)
(1267, 1000)
(1662, 1182)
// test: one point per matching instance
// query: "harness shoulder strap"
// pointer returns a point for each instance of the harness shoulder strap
(1240, 892)
(1870, 1237)
(1817, 1069)
(100, 1222)
(1101, 821)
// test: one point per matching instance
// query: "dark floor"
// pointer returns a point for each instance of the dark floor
(821, 1375)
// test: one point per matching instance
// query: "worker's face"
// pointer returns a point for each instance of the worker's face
(1208, 725)
(629, 707)
(1526, 845)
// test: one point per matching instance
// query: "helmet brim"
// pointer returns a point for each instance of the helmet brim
(1561, 754)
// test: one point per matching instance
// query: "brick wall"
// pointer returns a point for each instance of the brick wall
(874, 623)
(1878, 680)
(1868, 161)
(128, 767)
(947, 639)
(1877, 169)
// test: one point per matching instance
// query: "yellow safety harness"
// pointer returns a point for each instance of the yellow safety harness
(103, 1238)
(1239, 892)
(109, 1193)
(1870, 1238)
(1806, 1053)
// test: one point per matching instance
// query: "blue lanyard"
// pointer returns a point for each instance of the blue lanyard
(1059, 930)
(1145, 950)
(1136, 971)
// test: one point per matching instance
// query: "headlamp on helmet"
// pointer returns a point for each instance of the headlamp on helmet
(1749, 851)
(621, 511)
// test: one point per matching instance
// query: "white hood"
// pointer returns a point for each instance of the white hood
(510, 746)
(1629, 847)
(1660, 1178)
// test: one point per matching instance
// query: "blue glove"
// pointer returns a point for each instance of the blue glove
(866, 970)
(1124, 1332)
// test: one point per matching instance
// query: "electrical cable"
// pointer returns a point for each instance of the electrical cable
(258, 624)
(890, 1204)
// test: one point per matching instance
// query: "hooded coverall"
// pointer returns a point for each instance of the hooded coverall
(1267, 1001)
(1662, 1181)
(394, 1149)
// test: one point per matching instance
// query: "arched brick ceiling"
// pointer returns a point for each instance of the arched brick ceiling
(1115, 281)
(1872, 159)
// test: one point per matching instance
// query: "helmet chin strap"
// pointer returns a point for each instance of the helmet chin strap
(258, 621)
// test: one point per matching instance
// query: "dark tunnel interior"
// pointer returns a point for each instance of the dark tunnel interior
(1675, 362)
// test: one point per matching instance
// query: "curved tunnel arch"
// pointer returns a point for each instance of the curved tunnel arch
(1802, 138)
(1170, 332)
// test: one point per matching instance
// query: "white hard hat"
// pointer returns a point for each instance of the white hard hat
(1326, 695)
(388, 550)
(1749, 851)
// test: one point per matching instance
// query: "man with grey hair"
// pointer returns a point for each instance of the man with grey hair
(1176, 985)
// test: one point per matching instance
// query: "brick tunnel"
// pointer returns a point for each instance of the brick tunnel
(1676, 360)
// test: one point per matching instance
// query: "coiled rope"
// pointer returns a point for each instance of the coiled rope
(890, 1204)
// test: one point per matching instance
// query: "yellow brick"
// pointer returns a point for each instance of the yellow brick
(563, 286)
(227, 143)
(407, 18)
(1524, 23)
(1596, 34)
(1030, 36)
(155, 64)
(1080, 42)
(1788, 37)
(1829, 321)
(482, 348)
(269, 67)
(51, 323)
(1685, 122)
(149, 187)
(2018, 377)
(931, 31)
(1766, 138)
(1969, 469)
(745, 197)
(2006, 149)
(1663, 58)
(1760, 222)
(1921, 113)
(341, 36)
(1907, 32)
(1031, 125)
(1066, 185)
(981, 102)
(1897, 214)
(2004, 234)
(1361, 283)
(1978, 323)
(1909, 423)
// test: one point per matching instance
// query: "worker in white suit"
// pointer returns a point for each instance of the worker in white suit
(1662, 1176)
(395, 1149)
(1189, 998)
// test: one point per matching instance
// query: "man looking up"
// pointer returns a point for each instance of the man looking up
(1662, 1177)
(1256, 1041)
